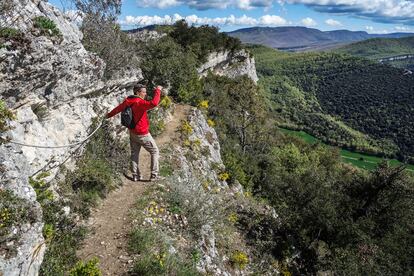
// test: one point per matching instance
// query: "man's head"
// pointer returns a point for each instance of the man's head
(140, 90)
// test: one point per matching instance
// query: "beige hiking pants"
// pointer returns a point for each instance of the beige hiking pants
(149, 145)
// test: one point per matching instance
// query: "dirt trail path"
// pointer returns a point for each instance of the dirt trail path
(110, 222)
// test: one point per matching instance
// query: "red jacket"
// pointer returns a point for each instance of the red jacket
(139, 109)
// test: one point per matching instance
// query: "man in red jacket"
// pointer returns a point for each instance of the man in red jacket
(140, 136)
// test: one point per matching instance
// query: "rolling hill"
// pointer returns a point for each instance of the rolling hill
(398, 52)
(302, 38)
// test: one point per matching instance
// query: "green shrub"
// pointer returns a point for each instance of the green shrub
(142, 240)
(157, 127)
(191, 92)
(46, 26)
(48, 231)
(40, 186)
(5, 116)
(14, 211)
(89, 268)
(148, 265)
(166, 169)
(10, 33)
(163, 264)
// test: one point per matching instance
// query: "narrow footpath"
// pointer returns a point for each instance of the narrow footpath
(110, 222)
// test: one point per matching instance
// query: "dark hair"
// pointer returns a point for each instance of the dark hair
(138, 87)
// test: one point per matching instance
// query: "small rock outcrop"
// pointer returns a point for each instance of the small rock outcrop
(55, 88)
(230, 64)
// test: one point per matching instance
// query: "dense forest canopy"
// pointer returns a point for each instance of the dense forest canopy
(344, 100)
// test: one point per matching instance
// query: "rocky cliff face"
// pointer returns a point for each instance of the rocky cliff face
(55, 88)
(230, 64)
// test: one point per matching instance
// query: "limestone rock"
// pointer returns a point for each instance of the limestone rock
(230, 64)
(55, 88)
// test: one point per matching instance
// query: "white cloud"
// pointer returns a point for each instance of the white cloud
(372, 30)
(385, 11)
(207, 4)
(266, 20)
(308, 22)
(403, 29)
(333, 23)
(272, 20)
(161, 4)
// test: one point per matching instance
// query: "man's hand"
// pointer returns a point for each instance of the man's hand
(159, 87)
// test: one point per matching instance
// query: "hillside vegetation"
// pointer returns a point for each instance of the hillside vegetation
(378, 48)
(343, 100)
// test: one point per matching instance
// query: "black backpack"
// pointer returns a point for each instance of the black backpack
(127, 117)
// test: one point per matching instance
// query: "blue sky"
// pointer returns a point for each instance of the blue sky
(373, 16)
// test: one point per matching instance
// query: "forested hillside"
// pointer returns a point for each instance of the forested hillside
(378, 48)
(397, 52)
(344, 100)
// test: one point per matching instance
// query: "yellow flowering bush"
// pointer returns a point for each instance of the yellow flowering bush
(187, 143)
(239, 259)
(89, 268)
(206, 185)
(211, 123)
(233, 218)
(165, 102)
(186, 128)
(203, 104)
(161, 258)
(224, 176)
(4, 217)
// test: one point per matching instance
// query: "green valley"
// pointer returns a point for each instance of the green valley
(359, 160)
(345, 101)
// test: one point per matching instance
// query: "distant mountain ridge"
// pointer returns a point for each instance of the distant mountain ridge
(303, 39)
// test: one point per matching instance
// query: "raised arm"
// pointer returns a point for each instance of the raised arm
(155, 100)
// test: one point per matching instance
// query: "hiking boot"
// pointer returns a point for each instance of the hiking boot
(156, 178)
(136, 178)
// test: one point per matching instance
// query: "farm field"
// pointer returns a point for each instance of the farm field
(359, 160)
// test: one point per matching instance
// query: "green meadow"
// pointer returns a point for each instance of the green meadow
(359, 160)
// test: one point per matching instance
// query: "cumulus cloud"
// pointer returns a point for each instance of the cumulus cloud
(308, 22)
(207, 4)
(384, 11)
(333, 23)
(161, 4)
(266, 20)
(403, 29)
